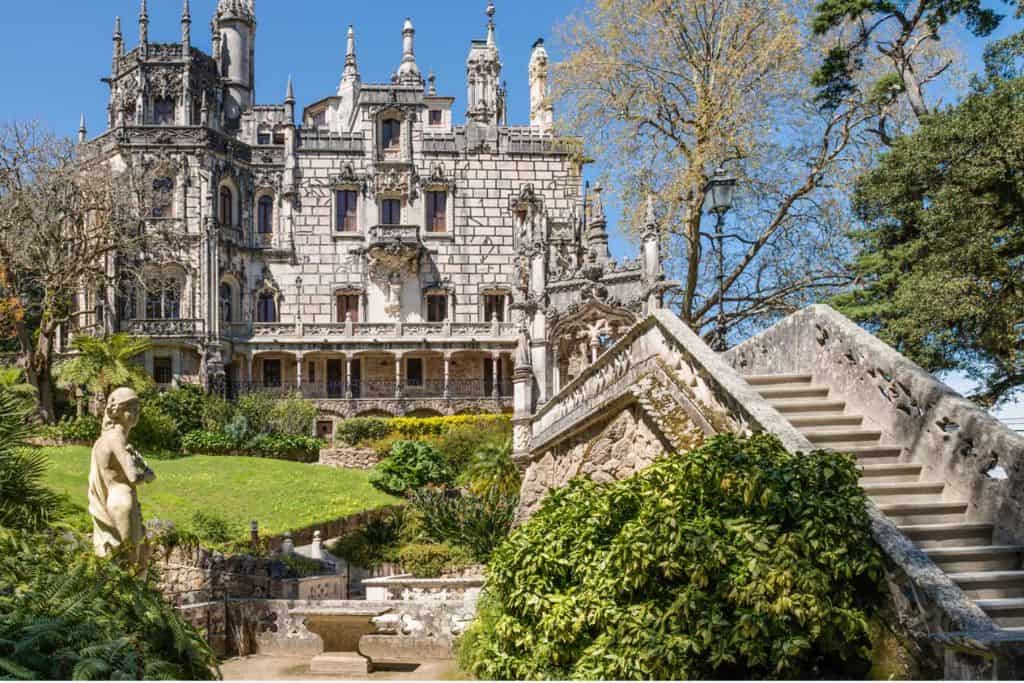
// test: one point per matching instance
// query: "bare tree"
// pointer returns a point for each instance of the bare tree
(667, 91)
(68, 229)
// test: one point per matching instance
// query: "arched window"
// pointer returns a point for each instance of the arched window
(226, 299)
(391, 133)
(266, 308)
(163, 111)
(227, 202)
(163, 197)
(163, 300)
(265, 215)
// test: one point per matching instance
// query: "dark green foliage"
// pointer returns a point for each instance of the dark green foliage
(293, 416)
(156, 430)
(372, 542)
(275, 446)
(84, 429)
(211, 529)
(185, 405)
(492, 472)
(462, 442)
(25, 503)
(360, 429)
(410, 466)
(940, 267)
(476, 523)
(431, 560)
(256, 408)
(736, 560)
(66, 614)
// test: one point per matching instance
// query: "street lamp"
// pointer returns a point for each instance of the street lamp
(720, 191)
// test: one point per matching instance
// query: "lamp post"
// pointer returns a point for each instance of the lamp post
(720, 190)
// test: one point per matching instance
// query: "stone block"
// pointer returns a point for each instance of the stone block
(346, 664)
(384, 649)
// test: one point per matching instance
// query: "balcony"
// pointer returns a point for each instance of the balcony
(370, 331)
(382, 390)
(389, 235)
(164, 329)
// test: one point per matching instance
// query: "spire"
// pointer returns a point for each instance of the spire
(651, 218)
(81, 130)
(542, 112)
(597, 236)
(408, 72)
(491, 42)
(289, 95)
(186, 28)
(351, 72)
(143, 25)
(118, 46)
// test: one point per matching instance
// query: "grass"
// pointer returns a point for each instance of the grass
(281, 496)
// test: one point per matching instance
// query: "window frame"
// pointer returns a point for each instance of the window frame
(226, 205)
(166, 364)
(391, 134)
(389, 202)
(343, 196)
(437, 312)
(433, 215)
(439, 114)
(500, 299)
(348, 298)
(420, 380)
(261, 310)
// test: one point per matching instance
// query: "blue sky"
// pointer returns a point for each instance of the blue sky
(57, 52)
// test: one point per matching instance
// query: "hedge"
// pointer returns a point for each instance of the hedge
(275, 446)
(362, 429)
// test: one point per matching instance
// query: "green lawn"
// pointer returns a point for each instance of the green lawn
(281, 495)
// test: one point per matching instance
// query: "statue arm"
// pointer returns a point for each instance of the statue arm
(133, 466)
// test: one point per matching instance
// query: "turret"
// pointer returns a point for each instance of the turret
(483, 76)
(289, 101)
(186, 30)
(597, 234)
(409, 72)
(542, 113)
(351, 72)
(235, 24)
(650, 255)
(143, 30)
(290, 163)
(118, 48)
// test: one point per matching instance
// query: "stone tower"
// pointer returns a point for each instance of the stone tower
(234, 28)
(483, 74)
(542, 113)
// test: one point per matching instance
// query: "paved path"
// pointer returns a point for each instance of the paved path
(266, 668)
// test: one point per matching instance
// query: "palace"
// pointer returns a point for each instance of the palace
(374, 255)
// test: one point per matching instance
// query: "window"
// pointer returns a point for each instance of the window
(435, 117)
(437, 211)
(265, 215)
(272, 372)
(391, 211)
(163, 197)
(391, 134)
(163, 112)
(414, 372)
(163, 300)
(494, 307)
(263, 138)
(311, 374)
(226, 295)
(266, 309)
(437, 308)
(227, 202)
(348, 304)
(163, 372)
(278, 138)
(347, 218)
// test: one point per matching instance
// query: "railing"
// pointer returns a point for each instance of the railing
(380, 330)
(163, 328)
(405, 234)
(377, 389)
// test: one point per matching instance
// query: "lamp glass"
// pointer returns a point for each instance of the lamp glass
(721, 189)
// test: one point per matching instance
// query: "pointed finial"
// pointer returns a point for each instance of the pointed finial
(290, 92)
(408, 72)
(598, 204)
(81, 129)
(186, 12)
(143, 14)
(651, 218)
(143, 26)
(117, 27)
(491, 11)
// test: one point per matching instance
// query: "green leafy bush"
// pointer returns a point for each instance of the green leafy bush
(156, 430)
(25, 502)
(65, 614)
(84, 429)
(430, 560)
(274, 446)
(185, 405)
(208, 443)
(293, 415)
(256, 408)
(211, 529)
(218, 412)
(410, 466)
(361, 429)
(492, 472)
(370, 544)
(462, 441)
(476, 523)
(737, 560)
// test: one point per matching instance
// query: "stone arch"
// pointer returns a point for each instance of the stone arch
(584, 332)
(230, 294)
(229, 204)
(375, 413)
(424, 412)
(164, 291)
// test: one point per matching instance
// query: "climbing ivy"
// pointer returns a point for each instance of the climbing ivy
(735, 560)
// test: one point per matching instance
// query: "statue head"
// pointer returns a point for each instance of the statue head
(123, 408)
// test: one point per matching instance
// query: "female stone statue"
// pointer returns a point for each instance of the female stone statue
(116, 470)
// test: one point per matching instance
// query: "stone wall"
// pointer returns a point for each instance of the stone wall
(349, 458)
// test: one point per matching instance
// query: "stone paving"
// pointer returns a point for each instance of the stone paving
(266, 668)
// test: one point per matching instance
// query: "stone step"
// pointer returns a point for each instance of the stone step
(873, 455)
(991, 585)
(801, 405)
(890, 473)
(948, 535)
(1007, 612)
(842, 437)
(765, 380)
(985, 558)
(909, 492)
(793, 391)
(824, 419)
(940, 512)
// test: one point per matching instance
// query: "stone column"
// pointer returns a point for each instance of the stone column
(298, 372)
(252, 370)
(447, 375)
(398, 376)
(495, 388)
(348, 377)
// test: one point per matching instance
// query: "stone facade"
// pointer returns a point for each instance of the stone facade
(369, 252)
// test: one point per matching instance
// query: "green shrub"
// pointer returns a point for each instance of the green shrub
(300, 567)
(156, 430)
(238, 430)
(410, 466)
(430, 560)
(65, 614)
(492, 472)
(462, 441)
(414, 428)
(370, 544)
(25, 501)
(185, 405)
(274, 446)
(737, 560)
(208, 443)
(218, 412)
(256, 408)
(477, 524)
(211, 529)
(293, 415)
(361, 429)
(84, 429)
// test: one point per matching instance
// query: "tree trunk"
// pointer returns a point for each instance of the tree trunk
(43, 370)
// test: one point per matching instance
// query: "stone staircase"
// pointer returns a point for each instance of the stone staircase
(991, 575)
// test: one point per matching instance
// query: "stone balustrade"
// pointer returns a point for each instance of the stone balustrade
(164, 329)
(370, 331)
